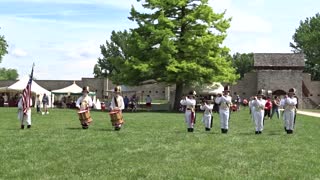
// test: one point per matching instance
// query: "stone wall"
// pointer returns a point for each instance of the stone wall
(313, 87)
(281, 80)
(246, 87)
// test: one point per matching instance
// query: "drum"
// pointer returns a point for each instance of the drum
(84, 115)
(116, 117)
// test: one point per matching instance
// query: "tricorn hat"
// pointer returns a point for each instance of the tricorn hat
(226, 88)
(85, 88)
(117, 89)
(261, 92)
(292, 90)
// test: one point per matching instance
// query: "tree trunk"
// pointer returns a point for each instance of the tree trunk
(178, 95)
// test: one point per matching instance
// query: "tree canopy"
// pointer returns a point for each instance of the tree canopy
(307, 40)
(243, 63)
(177, 42)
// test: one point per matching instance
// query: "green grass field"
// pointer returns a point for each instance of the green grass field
(155, 146)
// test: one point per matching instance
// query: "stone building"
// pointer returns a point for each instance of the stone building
(278, 72)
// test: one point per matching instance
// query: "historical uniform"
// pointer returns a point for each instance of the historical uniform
(83, 104)
(207, 115)
(251, 107)
(116, 107)
(225, 102)
(25, 118)
(258, 112)
(289, 104)
(190, 115)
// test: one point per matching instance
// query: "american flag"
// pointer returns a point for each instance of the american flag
(26, 94)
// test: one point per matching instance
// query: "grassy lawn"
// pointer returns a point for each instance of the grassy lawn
(155, 146)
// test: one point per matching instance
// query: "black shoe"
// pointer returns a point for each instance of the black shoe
(22, 126)
(85, 127)
(117, 128)
(29, 126)
(226, 131)
(222, 130)
(188, 129)
(260, 132)
(208, 129)
(289, 131)
(257, 132)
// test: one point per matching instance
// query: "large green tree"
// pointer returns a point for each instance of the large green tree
(307, 40)
(243, 63)
(176, 42)
(6, 74)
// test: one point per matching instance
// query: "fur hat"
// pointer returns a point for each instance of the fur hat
(85, 88)
(117, 89)
(226, 88)
(261, 92)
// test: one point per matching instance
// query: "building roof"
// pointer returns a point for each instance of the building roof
(278, 61)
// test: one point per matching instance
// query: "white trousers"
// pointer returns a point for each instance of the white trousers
(258, 119)
(24, 118)
(206, 119)
(224, 118)
(288, 117)
(187, 117)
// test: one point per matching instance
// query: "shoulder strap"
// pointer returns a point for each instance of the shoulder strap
(115, 101)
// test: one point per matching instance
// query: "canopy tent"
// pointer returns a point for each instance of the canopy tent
(213, 88)
(22, 83)
(73, 89)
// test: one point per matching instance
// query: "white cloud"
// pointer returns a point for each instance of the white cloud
(16, 52)
(242, 21)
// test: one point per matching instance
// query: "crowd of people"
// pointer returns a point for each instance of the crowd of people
(261, 108)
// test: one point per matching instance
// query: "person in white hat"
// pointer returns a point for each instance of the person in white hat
(190, 115)
(258, 112)
(117, 104)
(84, 103)
(225, 102)
(289, 104)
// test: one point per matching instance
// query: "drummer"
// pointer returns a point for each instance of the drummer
(117, 105)
(83, 104)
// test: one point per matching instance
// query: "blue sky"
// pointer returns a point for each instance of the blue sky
(63, 37)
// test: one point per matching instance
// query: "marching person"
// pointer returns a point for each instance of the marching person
(190, 115)
(258, 113)
(207, 115)
(83, 104)
(225, 102)
(116, 107)
(289, 104)
(25, 118)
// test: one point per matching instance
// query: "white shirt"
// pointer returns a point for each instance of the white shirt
(259, 104)
(85, 102)
(188, 102)
(289, 103)
(148, 100)
(207, 108)
(224, 101)
(119, 101)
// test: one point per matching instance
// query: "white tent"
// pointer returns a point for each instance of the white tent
(72, 89)
(20, 85)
